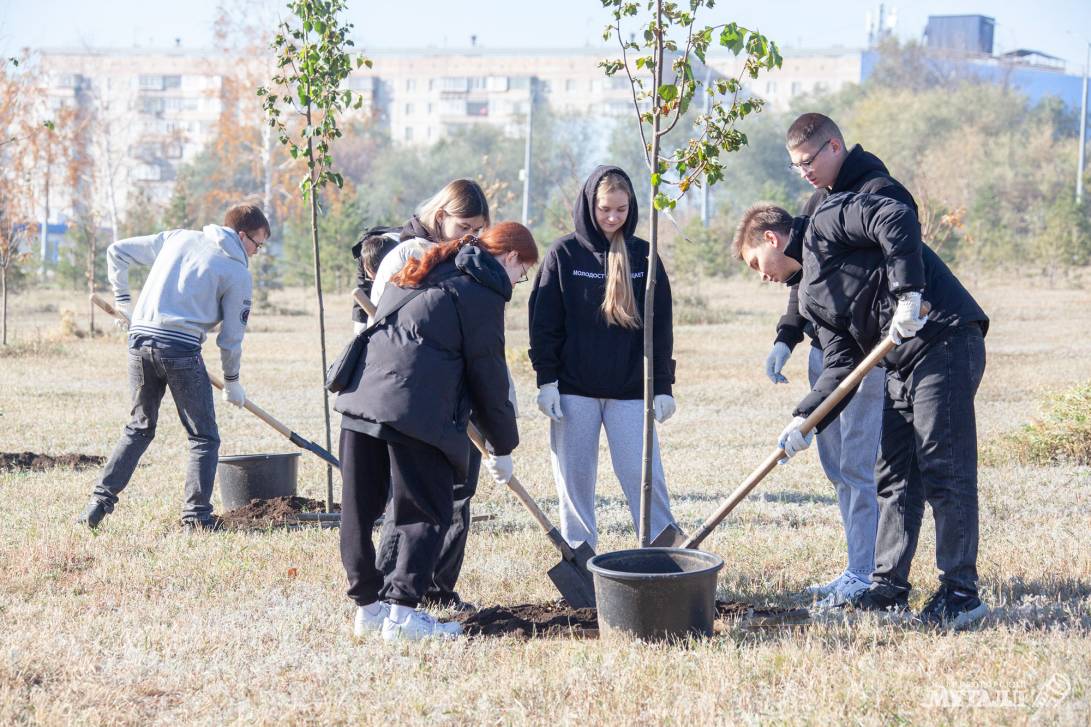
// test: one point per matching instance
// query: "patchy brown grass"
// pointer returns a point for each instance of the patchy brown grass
(142, 623)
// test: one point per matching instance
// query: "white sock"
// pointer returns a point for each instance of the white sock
(372, 609)
(400, 613)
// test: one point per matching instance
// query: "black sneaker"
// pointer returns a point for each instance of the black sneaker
(211, 524)
(93, 514)
(448, 602)
(876, 600)
(952, 608)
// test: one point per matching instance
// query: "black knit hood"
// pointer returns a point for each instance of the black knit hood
(587, 230)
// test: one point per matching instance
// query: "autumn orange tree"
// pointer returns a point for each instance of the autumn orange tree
(20, 94)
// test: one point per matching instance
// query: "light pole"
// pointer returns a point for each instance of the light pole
(1083, 130)
(527, 151)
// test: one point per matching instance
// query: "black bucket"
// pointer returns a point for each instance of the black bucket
(656, 593)
(246, 477)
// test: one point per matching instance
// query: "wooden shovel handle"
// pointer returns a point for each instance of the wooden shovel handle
(848, 384)
(216, 380)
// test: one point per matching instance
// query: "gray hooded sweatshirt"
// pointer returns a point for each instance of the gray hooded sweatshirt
(197, 280)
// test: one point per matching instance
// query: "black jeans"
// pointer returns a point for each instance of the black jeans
(151, 372)
(419, 482)
(452, 553)
(928, 451)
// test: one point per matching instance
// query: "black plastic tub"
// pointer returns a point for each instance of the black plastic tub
(246, 477)
(656, 594)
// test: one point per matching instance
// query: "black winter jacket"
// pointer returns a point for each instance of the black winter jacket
(860, 251)
(392, 236)
(861, 172)
(570, 340)
(441, 355)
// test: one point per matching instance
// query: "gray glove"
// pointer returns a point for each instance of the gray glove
(774, 362)
(907, 319)
(549, 401)
(501, 468)
(125, 314)
(793, 441)
(664, 407)
(234, 393)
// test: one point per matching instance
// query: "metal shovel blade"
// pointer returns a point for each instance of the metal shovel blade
(670, 537)
(573, 580)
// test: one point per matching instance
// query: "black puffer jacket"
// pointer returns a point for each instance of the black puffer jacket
(861, 172)
(570, 340)
(437, 358)
(860, 251)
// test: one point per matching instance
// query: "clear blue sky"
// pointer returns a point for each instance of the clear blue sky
(1057, 27)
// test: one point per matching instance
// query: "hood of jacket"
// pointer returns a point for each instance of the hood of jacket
(587, 230)
(415, 228)
(479, 265)
(857, 165)
(228, 241)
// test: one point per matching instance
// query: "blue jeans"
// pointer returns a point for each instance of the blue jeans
(848, 448)
(929, 453)
(151, 372)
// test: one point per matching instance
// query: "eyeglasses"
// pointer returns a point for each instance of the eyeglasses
(524, 277)
(807, 164)
(257, 245)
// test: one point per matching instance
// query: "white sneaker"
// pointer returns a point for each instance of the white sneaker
(420, 625)
(851, 587)
(367, 623)
(821, 590)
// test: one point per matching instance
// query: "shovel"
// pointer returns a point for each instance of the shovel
(850, 382)
(570, 576)
(248, 405)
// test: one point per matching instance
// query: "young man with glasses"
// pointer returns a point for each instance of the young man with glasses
(848, 447)
(197, 279)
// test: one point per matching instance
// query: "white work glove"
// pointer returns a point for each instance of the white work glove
(664, 407)
(513, 395)
(124, 315)
(549, 401)
(358, 326)
(792, 440)
(907, 319)
(774, 362)
(500, 468)
(234, 393)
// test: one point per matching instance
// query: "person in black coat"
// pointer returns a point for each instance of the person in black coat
(849, 446)
(587, 349)
(459, 208)
(863, 271)
(431, 359)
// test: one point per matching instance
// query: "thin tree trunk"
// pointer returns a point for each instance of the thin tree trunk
(321, 313)
(649, 304)
(4, 285)
(92, 253)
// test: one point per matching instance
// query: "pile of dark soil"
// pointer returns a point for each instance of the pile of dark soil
(532, 620)
(272, 512)
(557, 619)
(38, 462)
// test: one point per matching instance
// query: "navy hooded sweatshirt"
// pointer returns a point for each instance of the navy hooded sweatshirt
(570, 340)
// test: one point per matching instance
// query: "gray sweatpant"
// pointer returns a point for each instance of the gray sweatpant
(574, 446)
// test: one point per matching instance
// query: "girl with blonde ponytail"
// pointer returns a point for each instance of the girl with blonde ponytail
(586, 346)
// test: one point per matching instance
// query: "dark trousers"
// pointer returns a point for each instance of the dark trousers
(452, 553)
(928, 452)
(418, 480)
(151, 373)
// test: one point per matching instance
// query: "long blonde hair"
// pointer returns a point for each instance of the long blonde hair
(619, 303)
(460, 198)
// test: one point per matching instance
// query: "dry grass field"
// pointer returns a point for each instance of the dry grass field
(141, 623)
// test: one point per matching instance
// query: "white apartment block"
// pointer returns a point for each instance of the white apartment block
(157, 109)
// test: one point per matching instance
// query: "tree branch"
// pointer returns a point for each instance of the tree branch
(632, 87)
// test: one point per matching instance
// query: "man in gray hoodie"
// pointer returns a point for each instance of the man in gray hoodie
(197, 280)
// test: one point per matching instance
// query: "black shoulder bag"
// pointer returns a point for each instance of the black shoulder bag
(340, 372)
